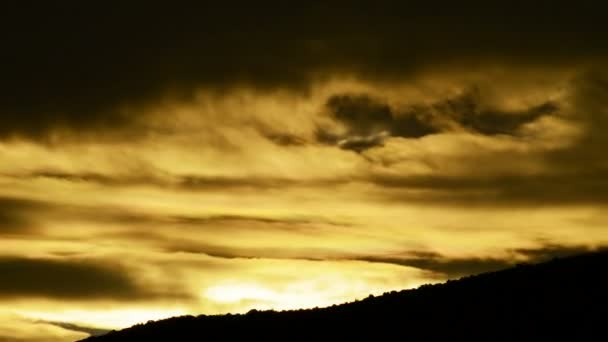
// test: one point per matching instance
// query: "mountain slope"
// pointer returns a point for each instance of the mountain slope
(560, 299)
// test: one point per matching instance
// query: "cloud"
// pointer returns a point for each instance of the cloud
(360, 113)
(523, 174)
(25, 216)
(193, 220)
(16, 215)
(587, 106)
(88, 177)
(14, 328)
(270, 253)
(361, 143)
(463, 266)
(446, 266)
(67, 280)
(549, 251)
(84, 69)
(77, 327)
(184, 182)
(369, 120)
(450, 268)
(468, 111)
(283, 139)
(573, 173)
(545, 189)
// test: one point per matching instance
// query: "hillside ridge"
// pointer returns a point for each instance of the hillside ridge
(558, 299)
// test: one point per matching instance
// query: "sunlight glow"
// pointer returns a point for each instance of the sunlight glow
(107, 319)
(239, 292)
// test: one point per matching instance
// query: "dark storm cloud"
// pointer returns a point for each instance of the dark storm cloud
(361, 114)
(369, 120)
(364, 115)
(65, 279)
(78, 65)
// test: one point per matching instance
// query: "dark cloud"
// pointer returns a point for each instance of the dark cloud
(18, 215)
(361, 143)
(369, 121)
(218, 251)
(588, 99)
(497, 122)
(76, 327)
(450, 268)
(193, 220)
(458, 267)
(252, 253)
(200, 182)
(185, 182)
(367, 118)
(67, 280)
(550, 250)
(429, 261)
(89, 177)
(545, 189)
(284, 139)
(362, 114)
(24, 216)
(326, 137)
(571, 175)
(84, 66)
(467, 111)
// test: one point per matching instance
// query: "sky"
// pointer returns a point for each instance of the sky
(170, 160)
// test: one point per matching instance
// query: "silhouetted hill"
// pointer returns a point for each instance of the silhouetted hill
(563, 299)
